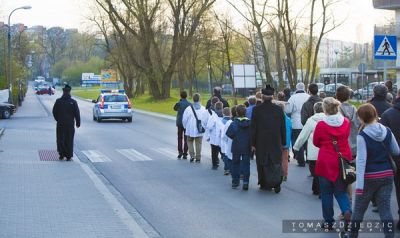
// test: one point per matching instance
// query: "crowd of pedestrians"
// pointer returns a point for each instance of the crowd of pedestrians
(324, 133)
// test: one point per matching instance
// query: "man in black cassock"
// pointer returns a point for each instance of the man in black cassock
(66, 113)
(268, 134)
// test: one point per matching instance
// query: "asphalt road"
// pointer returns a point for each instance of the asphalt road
(180, 199)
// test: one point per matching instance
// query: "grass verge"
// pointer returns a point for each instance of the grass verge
(147, 102)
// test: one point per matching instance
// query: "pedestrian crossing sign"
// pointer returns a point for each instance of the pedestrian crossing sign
(385, 47)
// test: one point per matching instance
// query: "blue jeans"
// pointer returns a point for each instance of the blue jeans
(227, 162)
(240, 164)
(329, 189)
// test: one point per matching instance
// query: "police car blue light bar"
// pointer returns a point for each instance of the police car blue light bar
(112, 91)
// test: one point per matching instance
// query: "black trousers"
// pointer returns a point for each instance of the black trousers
(315, 183)
(261, 175)
(215, 151)
(298, 155)
(182, 141)
(65, 140)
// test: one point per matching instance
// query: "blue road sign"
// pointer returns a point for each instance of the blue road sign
(385, 47)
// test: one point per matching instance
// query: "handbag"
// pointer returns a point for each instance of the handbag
(199, 126)
(346, 171)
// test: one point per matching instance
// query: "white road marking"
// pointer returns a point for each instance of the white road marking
(96, 156)
(167, 152)
(122, 213)
(133, 155)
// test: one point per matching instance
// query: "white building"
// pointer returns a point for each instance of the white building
(327, 55)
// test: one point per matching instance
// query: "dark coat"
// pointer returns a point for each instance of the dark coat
(239, 132)
(380, 104)
(391, 119)
(268, 133)
(66, 112)
(180, 108)
(224, 102)
(307, 110)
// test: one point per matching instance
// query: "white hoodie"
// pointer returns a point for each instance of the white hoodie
(212, 127)
(307, 134)
(293, 108)
(226, 142)
(189, 120)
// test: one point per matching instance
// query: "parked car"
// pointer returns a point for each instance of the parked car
(227, 89)
(112, 104)
(366, 92)
(6, 110)
(330, 89)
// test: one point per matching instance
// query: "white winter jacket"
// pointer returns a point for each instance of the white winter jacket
(226, 142)
(293, 108)
(307, 133)
(212, 129)
(189, 120)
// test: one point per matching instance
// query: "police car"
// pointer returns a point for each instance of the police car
(112, 104)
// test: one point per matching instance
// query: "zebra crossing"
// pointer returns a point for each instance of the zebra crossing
(133, 155)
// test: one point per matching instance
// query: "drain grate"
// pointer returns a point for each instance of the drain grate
(48, 155)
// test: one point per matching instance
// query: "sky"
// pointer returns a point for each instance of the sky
(359, 16)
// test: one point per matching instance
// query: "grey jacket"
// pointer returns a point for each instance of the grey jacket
(350, 112)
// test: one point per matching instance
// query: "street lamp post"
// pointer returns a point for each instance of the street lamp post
(336, 53)
(209, 78)
(9, 51)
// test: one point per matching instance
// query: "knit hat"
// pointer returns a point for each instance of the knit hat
(300, 86)
(268, 90)
(380, 90)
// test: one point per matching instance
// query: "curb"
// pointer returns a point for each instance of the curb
(155, 114)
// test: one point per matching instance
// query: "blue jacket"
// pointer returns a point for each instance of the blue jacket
(249, 111)
(239, 132)
(288, 124)
(180, 108)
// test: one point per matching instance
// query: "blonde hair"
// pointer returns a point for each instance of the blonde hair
(281, 104)
(330, 106)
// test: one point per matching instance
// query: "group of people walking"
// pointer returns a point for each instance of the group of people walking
(324, 133)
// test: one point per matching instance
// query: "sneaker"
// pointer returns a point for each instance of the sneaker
(235, 185)
(61, 157)
(226, 172)
(184, 157)
(277, 189)
(245, 187)
(301, 165)
(341, 217)
(197, 161)
(284, 178)
(68, 158)
(191, 160)
(180, 156)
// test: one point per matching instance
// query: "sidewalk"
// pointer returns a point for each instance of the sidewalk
(53, 198)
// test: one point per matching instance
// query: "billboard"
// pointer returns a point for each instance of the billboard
(109, 76)
(244, 75)
(87, 76)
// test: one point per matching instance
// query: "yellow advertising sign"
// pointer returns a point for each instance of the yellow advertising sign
(108, 76)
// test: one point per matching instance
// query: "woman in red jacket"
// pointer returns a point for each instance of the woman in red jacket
(333, 127)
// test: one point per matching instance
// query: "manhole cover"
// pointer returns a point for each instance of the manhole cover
(48, 155)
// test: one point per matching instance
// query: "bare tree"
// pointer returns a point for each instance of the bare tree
(257, 20)
(143, 20)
